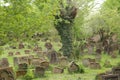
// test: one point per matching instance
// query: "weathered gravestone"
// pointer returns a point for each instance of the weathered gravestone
(21, 45)
(10, 53)
(110, 77)
(63, 61)
(86, 61)
(73, 67)
(58, 70)
(53, 57)
(39, 71)
(27, 51)
(4, 63)
(116, 70)
(44, 64)
(18, 60)
(20, 73)
(17, 53)
(23, 67)
(94, 65)
(6, 74)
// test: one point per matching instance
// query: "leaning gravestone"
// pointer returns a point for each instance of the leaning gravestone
(73, 67)
(58, 70)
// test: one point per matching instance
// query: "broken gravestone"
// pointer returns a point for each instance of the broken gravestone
(58, 70)
(73, 67)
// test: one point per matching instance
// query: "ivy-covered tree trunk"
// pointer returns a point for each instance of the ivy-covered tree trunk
(64, 26)
(66, 33)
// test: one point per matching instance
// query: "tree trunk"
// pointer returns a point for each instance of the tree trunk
(66, 33)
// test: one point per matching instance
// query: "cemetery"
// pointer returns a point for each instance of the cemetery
(59, 40)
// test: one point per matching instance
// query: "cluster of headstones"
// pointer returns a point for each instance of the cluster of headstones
(110, 75)
(91, 63)
(98, 44)
(39, 61)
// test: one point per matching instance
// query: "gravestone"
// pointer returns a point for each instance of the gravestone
(73, 67)
(6, 73)
(21, 45)
(110, 77)
(58, 70)
(116, 70)
(99, 76)
(53, 57)
(63, 61)
(17, 53)
(4, 63)
(39, 71)
(16, 61)
(23, 67)
(10, 53)
(98, 58)
(20, 73)
(94, 65)
(96, 38)
(35, 62)
(86, 61)
(44, 64)
(27, 51)
(40, 54)
(23, 59)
